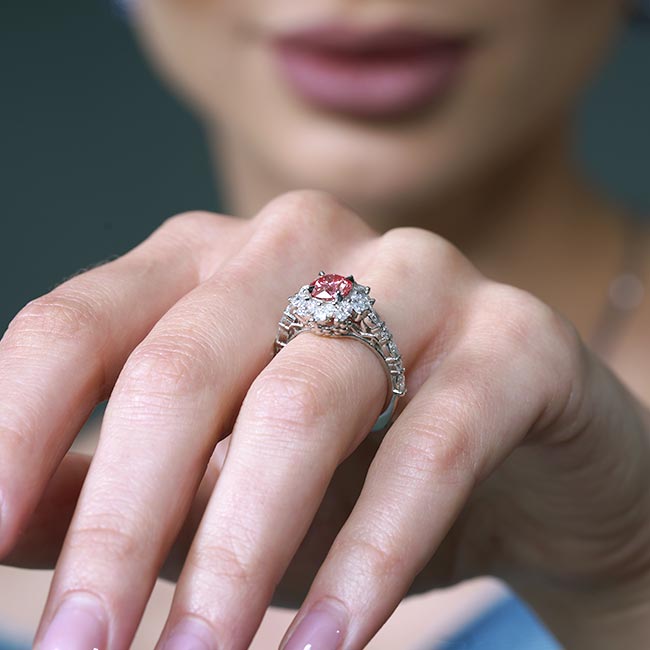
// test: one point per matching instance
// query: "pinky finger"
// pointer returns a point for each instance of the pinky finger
(416, 487)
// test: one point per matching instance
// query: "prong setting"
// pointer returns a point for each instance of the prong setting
(335, 305)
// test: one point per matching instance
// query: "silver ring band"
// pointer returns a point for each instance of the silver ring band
(334, 305)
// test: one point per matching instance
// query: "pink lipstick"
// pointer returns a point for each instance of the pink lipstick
(369, 73)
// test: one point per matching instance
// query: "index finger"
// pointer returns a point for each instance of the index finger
(62, 353)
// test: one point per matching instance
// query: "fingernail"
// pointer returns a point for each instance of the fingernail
(190, 634)
(79, 624)
(321, 629)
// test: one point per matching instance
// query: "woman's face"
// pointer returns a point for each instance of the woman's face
(383, 102)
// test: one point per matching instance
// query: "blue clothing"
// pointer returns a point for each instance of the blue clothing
(507, 625)
(5, 644)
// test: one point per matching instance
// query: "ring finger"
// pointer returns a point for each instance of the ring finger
(467, 417)
(302, 416)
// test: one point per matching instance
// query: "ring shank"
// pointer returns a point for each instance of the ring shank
(371, 331)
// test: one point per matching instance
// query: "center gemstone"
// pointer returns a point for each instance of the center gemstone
(326, 287)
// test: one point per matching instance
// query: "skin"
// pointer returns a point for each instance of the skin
(517, 452)
(514, 96)
(496, 370)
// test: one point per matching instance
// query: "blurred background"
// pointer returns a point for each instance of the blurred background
(94, 153)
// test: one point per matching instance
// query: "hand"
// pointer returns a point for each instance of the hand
(515, 452)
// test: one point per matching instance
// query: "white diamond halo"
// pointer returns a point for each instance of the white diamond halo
(357, 303)
(343, 307)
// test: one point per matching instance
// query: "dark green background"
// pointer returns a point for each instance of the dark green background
(94, 153)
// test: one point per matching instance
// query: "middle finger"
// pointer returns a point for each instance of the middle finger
(173, 400)
(303, 415)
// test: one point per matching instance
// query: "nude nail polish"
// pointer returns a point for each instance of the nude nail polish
(190, 634)
(80, 623)
(322, 629)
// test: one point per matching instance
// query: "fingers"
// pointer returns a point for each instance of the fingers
(467, 417)
(61, 354)
(295, 425)
(303, 414)
(175, 397)
(39, 544)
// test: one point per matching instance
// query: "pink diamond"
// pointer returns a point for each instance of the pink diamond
(325, 287)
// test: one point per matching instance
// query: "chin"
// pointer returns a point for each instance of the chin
(375, 172)
(378, 194)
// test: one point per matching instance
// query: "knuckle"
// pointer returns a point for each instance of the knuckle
(413, 253)
(554, 345)
(18, 436)
(412, 236)
(526, 316)
(291, 401)
(195, 236)
(169, 365)
(423, 244)
(63, 315)
(439, 449)
(108, 537)
(308, 205)
(378, 557)
(191, 223)
(288, 217)
(526, 324)
(524, 329)
(221, 561)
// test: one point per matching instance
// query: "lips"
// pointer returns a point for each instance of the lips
(369, 73)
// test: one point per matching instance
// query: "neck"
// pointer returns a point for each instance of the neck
(533, 222)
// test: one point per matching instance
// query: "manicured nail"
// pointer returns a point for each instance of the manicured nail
(190, 634)
(321, 629)
(79, 624)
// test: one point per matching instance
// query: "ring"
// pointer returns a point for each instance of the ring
(336, 305)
